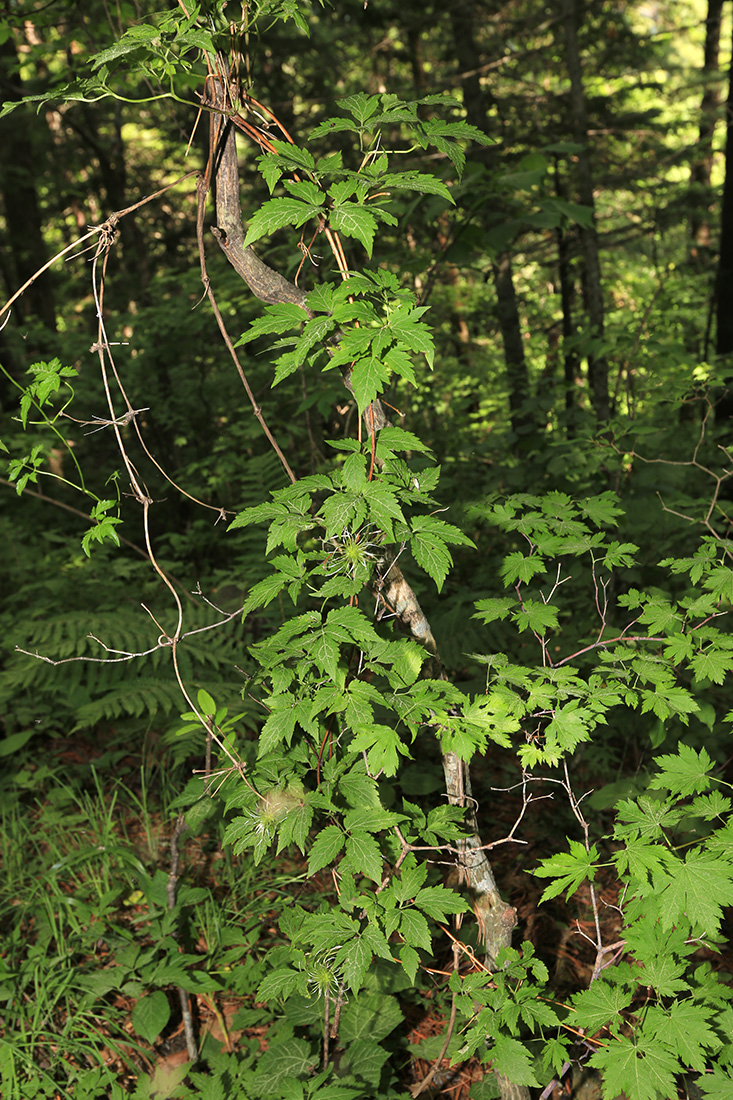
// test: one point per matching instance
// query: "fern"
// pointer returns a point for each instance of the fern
(94, 685)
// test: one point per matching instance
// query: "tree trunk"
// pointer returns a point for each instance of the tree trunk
(724, 290)
(724, 280)
(19, 167)
(477, 102)
(701, 168)
(521, 418)
(567, 292)
(496, 918)
(593, 293)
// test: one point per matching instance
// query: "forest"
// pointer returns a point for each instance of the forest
(366, 490)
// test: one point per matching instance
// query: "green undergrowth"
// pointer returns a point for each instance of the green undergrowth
(91, 950)
(94, 955)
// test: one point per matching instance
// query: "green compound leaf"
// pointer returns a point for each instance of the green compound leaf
(364, 856)
(276, 214)
(283, 1062)
(697, 890)
(512, 1059)
(644, 1069)
(569, 869)
(326, 847)
(686, 773)
(351, 219)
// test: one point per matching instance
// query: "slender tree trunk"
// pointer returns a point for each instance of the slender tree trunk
(597, 363)
(521, 418)
(497, 919)
(19, 169)
(111, 160)
(477, 102)
(701, 168)
(724, 281)
(571, 363)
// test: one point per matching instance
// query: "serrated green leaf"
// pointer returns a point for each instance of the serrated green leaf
(276, 214)
(600, 1006)
(686, 773)
(364, 856)
(684, 1029)
(325, 653)
(712, 664)
(570, 869)
(414, 929)
(492, 609)
(365, 1059)
(407, 327)
(133, 39)
(278, 983)
(279, 727)
(284, 1061)
(370, 1016)
(512, 1059)
(264, 592)
(371, 818)
(355, 959)
(665, 701)
(432, 555)
(354, 220)
(521, 567)
(718, 1085)
(361, 106)
(278, 318)
(334, 126)
(643, 1068)
(537, 616)
(696, 890)
(416, 181)
(437, 901)
(410, 961)
(398, 360)
(369, 377)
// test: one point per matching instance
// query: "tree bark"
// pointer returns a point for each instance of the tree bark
(724, 286)
(496, 918)
(701, 168)
(593, 292)
(724, 276)
(266, 284)
(517, 375)
(571, 363)
(477, 103)
(19, 167)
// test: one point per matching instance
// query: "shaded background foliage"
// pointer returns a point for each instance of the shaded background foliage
(519, 382)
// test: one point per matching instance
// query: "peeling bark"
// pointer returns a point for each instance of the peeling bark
(496, 918)
(267, 285)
